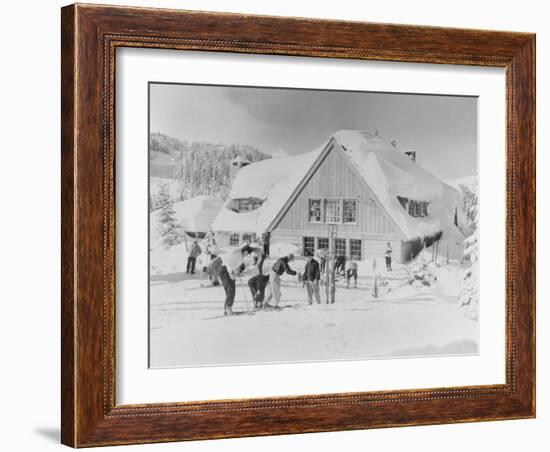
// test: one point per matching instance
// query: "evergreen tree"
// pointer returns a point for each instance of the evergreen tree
(202, 168)
(168, 226)
(469, 295)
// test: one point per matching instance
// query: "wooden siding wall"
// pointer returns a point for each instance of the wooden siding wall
(374, 245)
(336, 178)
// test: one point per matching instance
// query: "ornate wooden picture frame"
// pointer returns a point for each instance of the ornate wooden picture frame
(90, 37)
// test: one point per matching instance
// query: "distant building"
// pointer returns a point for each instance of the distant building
(371, 191)
(410, 153)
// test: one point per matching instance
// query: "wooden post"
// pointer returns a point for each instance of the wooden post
(330, 276)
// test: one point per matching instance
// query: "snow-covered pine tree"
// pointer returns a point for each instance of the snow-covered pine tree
(469, 295)
(168, 226)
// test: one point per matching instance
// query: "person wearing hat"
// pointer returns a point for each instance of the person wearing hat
(281, 266)
(311, 278)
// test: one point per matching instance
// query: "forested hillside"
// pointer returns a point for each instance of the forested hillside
(198, 168)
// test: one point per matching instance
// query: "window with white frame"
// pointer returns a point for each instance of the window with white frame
(315, 211)
(356, 249)
(340, 247)
(234, 239)
(350, 210)
(333, 212)
(309, 246)
(249, 237)
(322, 243)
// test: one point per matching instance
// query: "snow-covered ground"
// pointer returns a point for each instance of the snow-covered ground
(187, 326)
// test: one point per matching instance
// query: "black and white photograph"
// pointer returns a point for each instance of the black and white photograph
(301, 225)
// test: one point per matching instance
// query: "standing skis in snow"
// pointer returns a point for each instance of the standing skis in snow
(311, 277)
(281, 266)
(387, 255)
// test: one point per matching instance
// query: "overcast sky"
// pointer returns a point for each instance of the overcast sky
(442, 129)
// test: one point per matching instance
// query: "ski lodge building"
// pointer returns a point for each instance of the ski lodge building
(372, 192)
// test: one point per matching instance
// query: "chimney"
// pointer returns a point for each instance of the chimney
(239, 162)
(236, 164)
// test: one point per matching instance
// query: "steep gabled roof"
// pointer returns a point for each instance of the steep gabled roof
(273, 181)
(390, 173)
(387, 172)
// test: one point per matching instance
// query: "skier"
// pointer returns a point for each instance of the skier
(211, 245)
(340, 265)
(311, 278)
(194, 252)
(228, 267)
(281, 266)
(257, 284)
(351, 272)
(322, 254)
(387, 255)
(257, 254)
(212, 252)
(266, 238)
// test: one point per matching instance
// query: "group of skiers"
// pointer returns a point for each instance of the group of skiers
(226, 268)
(231, 265)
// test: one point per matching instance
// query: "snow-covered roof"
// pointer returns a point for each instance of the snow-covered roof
(468, 182)
(387, 171)
(390, 173)
(272, 180)
(193, 215)
(198, 213)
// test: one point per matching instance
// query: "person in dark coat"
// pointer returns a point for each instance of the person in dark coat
(194, 252)
(311, 278)
(340, 265)
(281, 266)
(266, 239)
(257, 285)
(351, 272)
(228, 284)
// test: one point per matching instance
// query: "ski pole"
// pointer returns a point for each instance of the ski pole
(244, 293)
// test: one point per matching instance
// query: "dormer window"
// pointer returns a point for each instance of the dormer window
(413, 207)
(245, 204)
